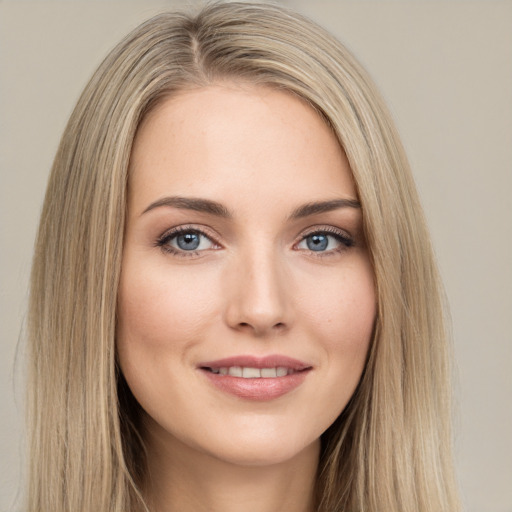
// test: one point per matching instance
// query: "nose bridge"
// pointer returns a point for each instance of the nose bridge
(258, 298)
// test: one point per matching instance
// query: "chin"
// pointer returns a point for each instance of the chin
(260, 450)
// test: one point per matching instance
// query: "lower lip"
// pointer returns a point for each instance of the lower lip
(260, 389)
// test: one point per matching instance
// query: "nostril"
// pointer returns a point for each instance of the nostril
(279, 326)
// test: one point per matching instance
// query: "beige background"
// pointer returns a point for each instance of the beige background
(446, 71)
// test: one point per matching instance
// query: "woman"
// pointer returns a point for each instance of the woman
(234, 301)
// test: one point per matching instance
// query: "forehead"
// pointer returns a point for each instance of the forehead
(233, 141)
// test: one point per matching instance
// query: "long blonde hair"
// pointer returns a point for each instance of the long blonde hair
(390, 450)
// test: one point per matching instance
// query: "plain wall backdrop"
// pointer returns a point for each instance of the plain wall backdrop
(445, 69)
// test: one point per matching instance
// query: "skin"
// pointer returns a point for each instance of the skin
(253, 287)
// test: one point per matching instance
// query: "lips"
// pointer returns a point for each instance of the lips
(249, 372)
(256, 378)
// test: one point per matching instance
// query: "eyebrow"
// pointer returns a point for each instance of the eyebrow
(192, 203)
(323, 206)
(219, 210)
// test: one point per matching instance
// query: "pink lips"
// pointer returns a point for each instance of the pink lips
(262, 388)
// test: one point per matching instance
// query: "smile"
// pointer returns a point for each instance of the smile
(248, 372)
(256, 378)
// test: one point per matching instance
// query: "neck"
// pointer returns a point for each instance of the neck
(181, 479)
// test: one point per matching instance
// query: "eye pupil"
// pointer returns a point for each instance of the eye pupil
(188, 241)
(317, 242)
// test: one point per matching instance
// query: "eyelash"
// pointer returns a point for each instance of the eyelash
(163, 240)
(346, 241)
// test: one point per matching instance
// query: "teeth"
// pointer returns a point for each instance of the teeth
(253, 373)
(269, 372)
(281, 371)
(235, 371)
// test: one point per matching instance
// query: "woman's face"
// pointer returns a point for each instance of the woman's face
(247, 301)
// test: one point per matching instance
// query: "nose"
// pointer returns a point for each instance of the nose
(258, 296)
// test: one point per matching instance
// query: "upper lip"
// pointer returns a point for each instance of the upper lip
(249, 361)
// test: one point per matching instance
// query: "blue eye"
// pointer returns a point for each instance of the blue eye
(317, 242)
(184, 240)
(188, 241)
(322, 241)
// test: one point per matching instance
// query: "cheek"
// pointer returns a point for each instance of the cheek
(155, 305)
(342, 319)
(161, 317)
(345, 308)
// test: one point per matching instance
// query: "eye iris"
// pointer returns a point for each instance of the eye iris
(317, 242)
(188, 241)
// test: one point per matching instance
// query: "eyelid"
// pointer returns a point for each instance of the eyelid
(325, 228)
(331, 230)
(345, 238)
(170, 233)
